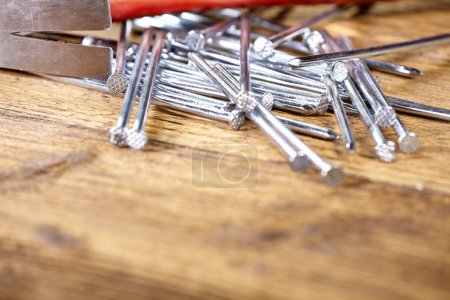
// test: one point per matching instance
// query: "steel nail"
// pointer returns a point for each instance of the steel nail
(196, 39)
(264, 47)
(418, 109)
(211, 105)
(118, 134)
(385, 115)
(341, 116)
(118, 82)
(137, 138)
(332, 174)
(383, 148)
(297, 159)
(369, 52)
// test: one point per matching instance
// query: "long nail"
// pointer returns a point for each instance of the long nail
(245, 45)
(338, 73)
(137, 138)
(420, 109)
(332, 174)
(118, 82)
(383, 148)
(369, 52)
(264, 47)
(196, 39)
(384, 114)
(297, 159)
(341, 116)
(211, 105)
(395, 69)
(118, 134)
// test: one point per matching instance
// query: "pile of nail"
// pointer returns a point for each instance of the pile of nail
(215, 64)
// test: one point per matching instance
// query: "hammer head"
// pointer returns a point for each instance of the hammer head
(49, 57)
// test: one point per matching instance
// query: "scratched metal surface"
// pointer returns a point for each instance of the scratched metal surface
(34, 55)
(59, 15)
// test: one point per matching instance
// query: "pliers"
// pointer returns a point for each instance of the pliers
(20, 51)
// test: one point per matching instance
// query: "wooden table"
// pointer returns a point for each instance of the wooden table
(81, 219)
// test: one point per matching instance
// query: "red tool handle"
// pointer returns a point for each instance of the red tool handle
(129, 9)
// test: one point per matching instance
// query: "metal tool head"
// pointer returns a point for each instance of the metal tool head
(30, 54)
(56, 15)
(54, 58)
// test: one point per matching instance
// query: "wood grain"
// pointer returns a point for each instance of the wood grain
(80, 219)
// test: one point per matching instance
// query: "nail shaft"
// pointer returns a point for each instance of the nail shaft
(119, 132)
(369, 52)
(118, 82)
(244, 61)
(136, 137)
(341, 116)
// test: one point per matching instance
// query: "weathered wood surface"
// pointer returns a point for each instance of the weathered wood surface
(80, 219)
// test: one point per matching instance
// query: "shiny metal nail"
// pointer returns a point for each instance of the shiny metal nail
(296, 158)
(332, 74)
(196, 39)
(383, 148)
(211, 105)
(341, 115)
(136, 137)
(391, 68)
(118, 134)
(332, 174)
(244, 78)
(418, 109)
(369, 52)
(408, 141)
(385, 115)
(118, 82)
(264, 47)
(309, 129)
(234, 118)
